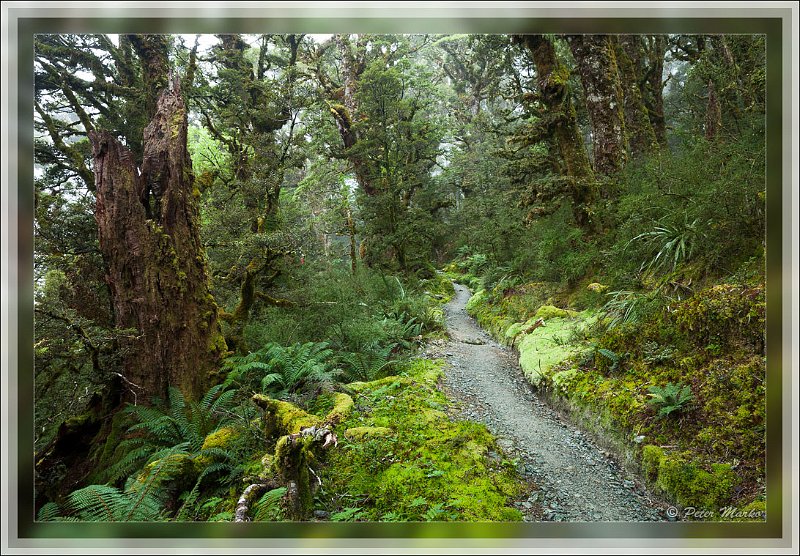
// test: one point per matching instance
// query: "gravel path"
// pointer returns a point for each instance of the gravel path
(576, 480)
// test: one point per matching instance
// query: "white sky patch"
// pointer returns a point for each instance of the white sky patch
(319, 38)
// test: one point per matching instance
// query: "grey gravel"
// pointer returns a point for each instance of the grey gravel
(576, 480)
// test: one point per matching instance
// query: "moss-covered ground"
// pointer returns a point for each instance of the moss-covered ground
(401, 458)
(707, 452)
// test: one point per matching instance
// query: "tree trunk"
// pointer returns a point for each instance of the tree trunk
(552, 78)
(654, 100)
(351, 231)
(343, 113)
(153, 51)
(713, 113)
(156, 266)
(641, 137)
(597, 66)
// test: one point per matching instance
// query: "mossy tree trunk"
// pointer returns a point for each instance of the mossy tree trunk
(641, 137)
(150, 239)
(596, 59)
(353, 65)
(654, 99)
(646, 54)
(552, 77)
(248, 118)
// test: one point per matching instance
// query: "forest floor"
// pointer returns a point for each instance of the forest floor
(576, 480)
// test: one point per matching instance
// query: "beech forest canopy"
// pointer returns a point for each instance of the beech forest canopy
(218, 216)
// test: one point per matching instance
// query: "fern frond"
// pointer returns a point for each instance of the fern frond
(268, 507)
(49, 512)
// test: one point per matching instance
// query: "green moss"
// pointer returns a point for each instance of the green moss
(78, 421)
(282, 417)
(220, 438)
(401, 457)
(478, 298)
(342, 406)
(651, 460)
(548, 312)
(358, 434)
(544, 348)
(712, 341)
(562, 379)
(291, 464)
(690, 485)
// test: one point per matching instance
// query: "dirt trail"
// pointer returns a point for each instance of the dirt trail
(577, 480)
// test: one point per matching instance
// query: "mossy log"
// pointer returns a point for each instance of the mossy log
(302, 437)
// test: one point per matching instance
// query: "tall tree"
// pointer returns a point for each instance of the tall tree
(156, 267)
(596, 58)
(646, 54)
(641, 137)
(558, 121)
(250, 103)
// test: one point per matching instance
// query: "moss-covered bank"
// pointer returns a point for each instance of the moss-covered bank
(706, 451)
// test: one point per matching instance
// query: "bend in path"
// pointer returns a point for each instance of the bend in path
(577, 480)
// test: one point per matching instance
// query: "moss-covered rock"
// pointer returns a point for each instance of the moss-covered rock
(220, 438)
(690, 485)
(545, 347)
(548, 312)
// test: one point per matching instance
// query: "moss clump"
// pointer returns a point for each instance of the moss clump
(358, 434)
(727, 315)
(478, 298)
(400, 457)
(690, 485)
(545, 347)
(220, 438)
(342, 406)
(683, 480)
(651, 459)
(548, 312)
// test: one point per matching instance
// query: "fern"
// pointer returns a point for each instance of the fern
(49, 512)
(670, 398)
(368, 364)
(142, 499)
(268, 506)
(280, 371)
(181, 422)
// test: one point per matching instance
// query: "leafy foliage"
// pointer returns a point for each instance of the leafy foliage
(176, 424)
(142, 499)
(282, 371)
(670, 398)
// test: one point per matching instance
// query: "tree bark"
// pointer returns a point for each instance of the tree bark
(713, 113)
(641, 137)
(552, 77)
(156, 266)
(352, 68)
(654, 99)
(597, 66)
